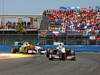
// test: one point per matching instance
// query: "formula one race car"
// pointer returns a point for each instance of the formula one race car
(24, 47)
(56, 54)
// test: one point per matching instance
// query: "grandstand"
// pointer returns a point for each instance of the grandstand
(76, 27)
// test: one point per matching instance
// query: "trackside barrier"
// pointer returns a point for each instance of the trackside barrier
(80, 48)
(5, 48)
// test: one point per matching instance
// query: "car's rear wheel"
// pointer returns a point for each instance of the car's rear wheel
(73, 59)
(14, 50)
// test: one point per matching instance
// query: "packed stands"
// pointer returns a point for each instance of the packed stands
(73, 19)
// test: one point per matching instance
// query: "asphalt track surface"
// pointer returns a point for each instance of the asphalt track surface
(85, 64)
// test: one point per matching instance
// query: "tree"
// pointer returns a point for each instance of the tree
(20, 26)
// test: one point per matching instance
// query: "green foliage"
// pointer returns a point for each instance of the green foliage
(20, 27)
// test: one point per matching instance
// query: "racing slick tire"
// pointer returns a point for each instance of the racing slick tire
(47, 54)
(50, 57)
(73, 59)
(14, 50)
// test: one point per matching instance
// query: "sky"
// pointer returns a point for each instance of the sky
(36, 7)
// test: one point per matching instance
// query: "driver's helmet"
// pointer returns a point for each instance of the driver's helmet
(26, 43)
(61, 44)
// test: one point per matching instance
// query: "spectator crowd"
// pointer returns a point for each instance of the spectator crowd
(74, 19)
(71, 19)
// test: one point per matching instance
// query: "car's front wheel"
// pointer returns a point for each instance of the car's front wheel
(50, 57)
